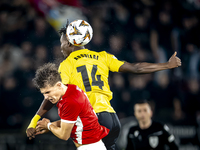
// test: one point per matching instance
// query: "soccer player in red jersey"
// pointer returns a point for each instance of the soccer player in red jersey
(78, 119)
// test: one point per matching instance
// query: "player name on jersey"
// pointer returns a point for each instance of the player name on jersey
(86, 56)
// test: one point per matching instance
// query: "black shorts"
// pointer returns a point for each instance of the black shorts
(110, 121)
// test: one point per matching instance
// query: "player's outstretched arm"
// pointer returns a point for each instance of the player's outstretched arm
(144, 67)
(44, 107)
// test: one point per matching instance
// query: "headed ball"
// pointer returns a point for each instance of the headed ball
(79, 32)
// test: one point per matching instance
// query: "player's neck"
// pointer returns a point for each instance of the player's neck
(64, 89)
(145, 125)
(76, 48)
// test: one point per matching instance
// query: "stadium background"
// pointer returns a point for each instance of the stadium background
(135, 31)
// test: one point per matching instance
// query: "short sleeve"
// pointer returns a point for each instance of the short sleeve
(113, 63)
(65, 71)
(70, 111)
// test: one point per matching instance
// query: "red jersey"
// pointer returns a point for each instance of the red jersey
(74, 107)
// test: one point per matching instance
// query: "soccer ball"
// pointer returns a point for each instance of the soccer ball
(79, 32)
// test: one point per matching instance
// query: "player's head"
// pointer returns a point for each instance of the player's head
(142, 111)
(66, 46)
(48, 80)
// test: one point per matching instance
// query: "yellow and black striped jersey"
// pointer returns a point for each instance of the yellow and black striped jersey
(90, 70)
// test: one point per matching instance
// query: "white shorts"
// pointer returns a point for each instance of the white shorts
(94, 146)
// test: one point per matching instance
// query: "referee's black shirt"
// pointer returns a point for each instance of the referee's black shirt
(153, 138)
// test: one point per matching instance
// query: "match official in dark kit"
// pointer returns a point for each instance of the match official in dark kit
(148, 134)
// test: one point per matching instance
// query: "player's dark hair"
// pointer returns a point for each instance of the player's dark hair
(62, 31)
(46, 75)
(142, 101)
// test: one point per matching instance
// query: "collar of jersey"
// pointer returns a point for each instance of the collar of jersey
(80, 50)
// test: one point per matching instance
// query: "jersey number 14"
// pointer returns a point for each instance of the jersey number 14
(96, 79)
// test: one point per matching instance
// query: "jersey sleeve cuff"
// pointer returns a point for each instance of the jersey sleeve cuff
(67, 121)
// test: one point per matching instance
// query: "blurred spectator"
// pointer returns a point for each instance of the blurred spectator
(117, 17)
(163, 94)
(40, 34)
(140, 29)
(191, 99)
(57, 56)
(24, 72)
(41, 56)
(12, 54)
(116, 46)
(117, 84)
(30, 98)
(27, 48)
(193, 70)
(188, 44)
(178, 116)
(138, 53)
(98, 42)
(162, 37)
(9, 100)
(125, 104)
(139, 87)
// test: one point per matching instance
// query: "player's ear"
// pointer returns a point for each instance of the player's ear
(59, 84)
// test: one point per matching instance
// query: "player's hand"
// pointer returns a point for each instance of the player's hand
(174, 61)
(31, 132)
(42, 124)
(41, 131)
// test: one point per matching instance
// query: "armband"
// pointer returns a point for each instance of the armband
(34, 121)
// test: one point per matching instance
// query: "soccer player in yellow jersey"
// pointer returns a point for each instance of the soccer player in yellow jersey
(90, 70)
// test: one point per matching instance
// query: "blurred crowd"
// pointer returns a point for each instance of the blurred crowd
(134, 31)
